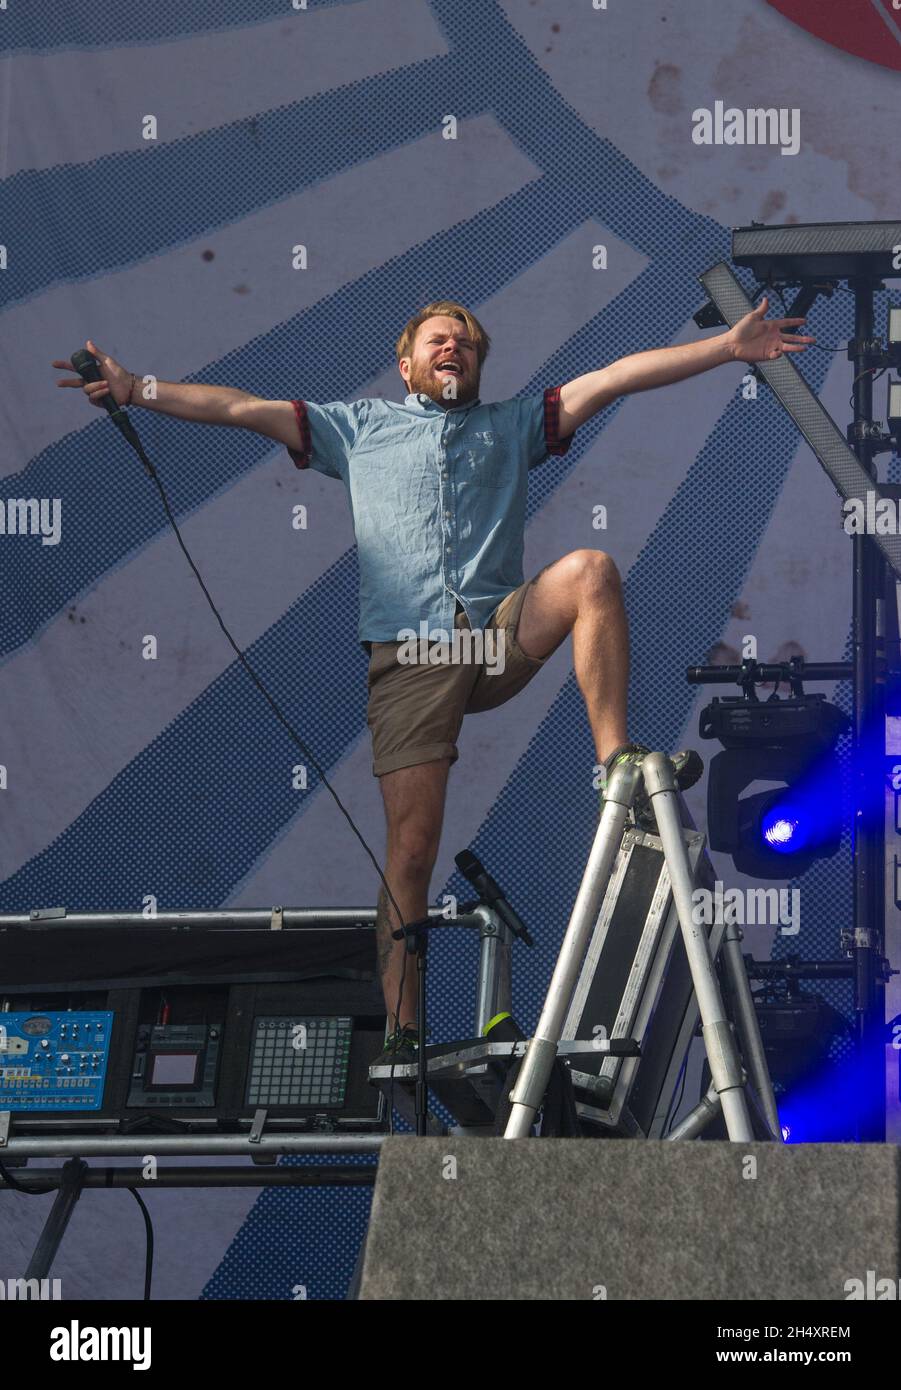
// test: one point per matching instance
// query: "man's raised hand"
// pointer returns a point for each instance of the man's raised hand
(756, 339)
(116, 381)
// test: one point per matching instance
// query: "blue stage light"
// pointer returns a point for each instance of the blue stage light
(788, 742)
(785, 827)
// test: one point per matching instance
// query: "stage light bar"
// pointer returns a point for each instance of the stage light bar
(819, 250)
(841, 464)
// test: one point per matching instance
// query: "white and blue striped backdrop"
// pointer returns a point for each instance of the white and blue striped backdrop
(322, 126)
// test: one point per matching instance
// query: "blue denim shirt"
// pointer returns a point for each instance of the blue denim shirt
(438, 499)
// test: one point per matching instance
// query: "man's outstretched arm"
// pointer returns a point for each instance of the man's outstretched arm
(753, 339)
(207, 405)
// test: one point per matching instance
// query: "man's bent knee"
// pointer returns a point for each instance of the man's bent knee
(594, 571)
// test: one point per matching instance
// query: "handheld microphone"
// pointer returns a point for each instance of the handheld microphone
(88, 368)
(491, 893)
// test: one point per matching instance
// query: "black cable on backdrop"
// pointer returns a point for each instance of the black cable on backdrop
(148, 1228)
(88, 369)
(36, 1191)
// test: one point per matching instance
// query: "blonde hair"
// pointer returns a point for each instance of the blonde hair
(450, 309)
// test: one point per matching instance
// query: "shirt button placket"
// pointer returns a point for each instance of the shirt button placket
(450, 578)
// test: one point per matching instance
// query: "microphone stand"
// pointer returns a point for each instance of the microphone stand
(415, 935)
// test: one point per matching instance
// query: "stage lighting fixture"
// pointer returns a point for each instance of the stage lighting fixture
(815, 1091)
(784, 826)
(777, 833)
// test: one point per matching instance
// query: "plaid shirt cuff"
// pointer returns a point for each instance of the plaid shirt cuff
(301, 457)
(553, 442)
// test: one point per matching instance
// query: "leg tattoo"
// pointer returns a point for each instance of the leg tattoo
(383, 929)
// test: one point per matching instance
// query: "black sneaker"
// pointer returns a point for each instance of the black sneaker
(401, 1047)
(688, 765)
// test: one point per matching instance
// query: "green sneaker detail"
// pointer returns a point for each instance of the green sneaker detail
(400, 1046)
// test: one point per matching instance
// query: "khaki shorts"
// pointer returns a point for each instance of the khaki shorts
(416, 710)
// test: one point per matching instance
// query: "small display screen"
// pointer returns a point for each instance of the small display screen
(173, 1068)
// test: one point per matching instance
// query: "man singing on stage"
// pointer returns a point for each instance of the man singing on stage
(437, 488)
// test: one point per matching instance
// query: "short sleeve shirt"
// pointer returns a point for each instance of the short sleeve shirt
(438, 499)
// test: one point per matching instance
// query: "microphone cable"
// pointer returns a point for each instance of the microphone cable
(88, 368)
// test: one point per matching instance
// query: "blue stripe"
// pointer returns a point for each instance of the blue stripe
(555, 137)
(157, 198)
(36, 27)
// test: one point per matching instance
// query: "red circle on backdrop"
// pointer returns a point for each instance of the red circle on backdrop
(869, 29)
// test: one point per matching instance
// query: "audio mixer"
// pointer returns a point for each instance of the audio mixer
(54, 1061)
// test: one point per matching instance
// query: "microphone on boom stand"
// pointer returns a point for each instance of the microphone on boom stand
(491, 893)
